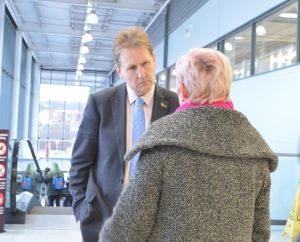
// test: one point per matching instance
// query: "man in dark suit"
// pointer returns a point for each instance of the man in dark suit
(98, 171)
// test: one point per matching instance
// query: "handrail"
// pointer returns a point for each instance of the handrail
(288, 154)
(35, 160)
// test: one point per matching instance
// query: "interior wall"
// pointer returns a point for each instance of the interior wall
(271, 102)
(215, 19)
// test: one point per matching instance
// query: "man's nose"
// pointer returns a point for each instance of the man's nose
(140, 71)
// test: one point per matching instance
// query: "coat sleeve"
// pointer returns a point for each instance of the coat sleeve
(135, 212)
(261, 224)
(84, 153)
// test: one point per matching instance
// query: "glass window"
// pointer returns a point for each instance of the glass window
(213, 46)
(162, 79)
(172, 79)
(238, 49)
(62, 103)
(61, 109)
(276, 40)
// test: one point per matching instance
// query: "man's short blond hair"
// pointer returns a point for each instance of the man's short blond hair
(206, 74)
(131, 37)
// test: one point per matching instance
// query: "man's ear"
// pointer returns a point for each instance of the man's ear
(118, 70)
(154, 57)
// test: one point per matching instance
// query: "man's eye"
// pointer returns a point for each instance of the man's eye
(132, 68)
(146, 63)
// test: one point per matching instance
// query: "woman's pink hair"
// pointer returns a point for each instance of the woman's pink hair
(206, 74)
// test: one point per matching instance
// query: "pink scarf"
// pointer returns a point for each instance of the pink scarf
(220, 104)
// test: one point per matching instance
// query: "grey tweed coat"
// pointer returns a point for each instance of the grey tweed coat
(203, 175)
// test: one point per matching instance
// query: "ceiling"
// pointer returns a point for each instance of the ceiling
(53, 28)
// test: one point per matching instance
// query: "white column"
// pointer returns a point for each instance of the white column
(16, 87)
(2, 18)
(27, 94)
(36, 101)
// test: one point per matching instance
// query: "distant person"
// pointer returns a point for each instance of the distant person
(38, 183)
(56, 184)
(44, 188)
(67, 196)
(98, 172)
(46, 174)
(27, 182)
(204, 171)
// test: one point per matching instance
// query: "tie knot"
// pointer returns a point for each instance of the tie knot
(139, 102)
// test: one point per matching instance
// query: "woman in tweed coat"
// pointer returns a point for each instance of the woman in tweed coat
(204, 171)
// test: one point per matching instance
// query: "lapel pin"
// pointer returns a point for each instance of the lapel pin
(162, 105)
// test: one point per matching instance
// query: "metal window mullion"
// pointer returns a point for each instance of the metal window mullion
(253, 50)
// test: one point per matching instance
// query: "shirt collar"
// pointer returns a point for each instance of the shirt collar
(147, 98)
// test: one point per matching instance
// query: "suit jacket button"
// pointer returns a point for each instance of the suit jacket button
(121, 181)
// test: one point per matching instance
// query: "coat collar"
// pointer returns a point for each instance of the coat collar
(207, 130)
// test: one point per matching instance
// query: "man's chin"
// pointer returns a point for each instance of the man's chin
(142, 89)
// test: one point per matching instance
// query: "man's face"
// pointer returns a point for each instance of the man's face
(136, 67)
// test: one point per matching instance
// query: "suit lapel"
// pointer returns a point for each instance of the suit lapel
(118, 105)
(160, 104)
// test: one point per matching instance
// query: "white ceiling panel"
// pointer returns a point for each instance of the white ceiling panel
(53, 28)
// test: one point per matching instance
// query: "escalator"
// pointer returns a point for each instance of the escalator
(22, 202)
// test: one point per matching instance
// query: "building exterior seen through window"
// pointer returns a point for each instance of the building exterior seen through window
(62, 103)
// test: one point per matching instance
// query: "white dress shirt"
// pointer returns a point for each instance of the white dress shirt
(147, 108)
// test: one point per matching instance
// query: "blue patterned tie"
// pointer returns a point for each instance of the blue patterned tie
(138, 128)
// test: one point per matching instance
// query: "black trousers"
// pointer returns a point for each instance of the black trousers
(54, 198)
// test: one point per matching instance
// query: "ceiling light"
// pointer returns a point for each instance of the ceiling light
(87, 27)
(239, 37)
(87, 37)
(163, 77)
(260, 30)
(92, 18)
(84, 49)
(82, 60)
(79, 73)
(80, 67)
(288, 15)
(228, 46)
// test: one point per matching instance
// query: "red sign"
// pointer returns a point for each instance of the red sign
(3, 164)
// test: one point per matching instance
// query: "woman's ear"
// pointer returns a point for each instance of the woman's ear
(182, 93)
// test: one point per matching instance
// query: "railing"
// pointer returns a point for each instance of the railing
(35, 160)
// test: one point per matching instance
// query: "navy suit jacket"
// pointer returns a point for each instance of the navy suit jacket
(97, 164)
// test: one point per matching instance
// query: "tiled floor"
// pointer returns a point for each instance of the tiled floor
(43, 228)
(63, 228)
